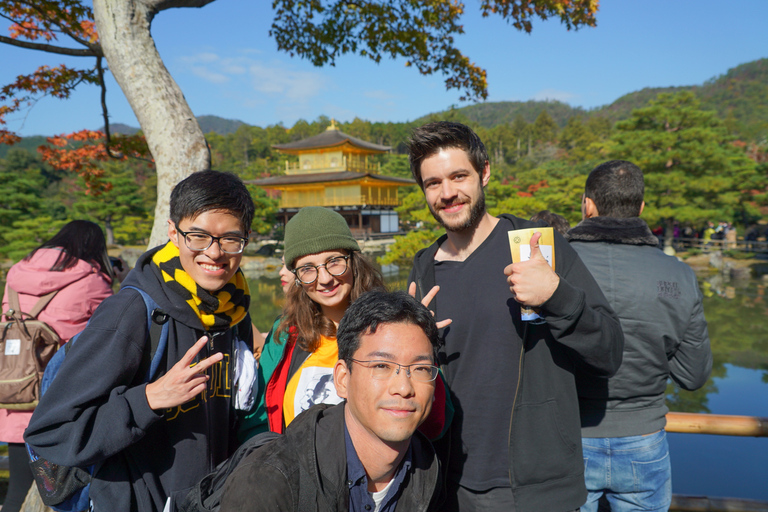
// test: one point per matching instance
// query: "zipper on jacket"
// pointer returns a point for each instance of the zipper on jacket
(514, 401)
(212, 335)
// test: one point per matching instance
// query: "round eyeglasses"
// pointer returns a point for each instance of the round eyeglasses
(229, 244)
(307, 274)
(384, 370)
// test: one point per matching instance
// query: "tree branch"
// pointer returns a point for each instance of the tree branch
(50, 48)
(105, 113)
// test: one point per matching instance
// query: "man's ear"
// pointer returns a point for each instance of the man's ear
(485, 177)
(172, 232)
(341, 378)
(642, 207)
(590, 210)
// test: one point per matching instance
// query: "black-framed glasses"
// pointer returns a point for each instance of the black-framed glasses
(384, 370)
(307, 274)
(196, 241)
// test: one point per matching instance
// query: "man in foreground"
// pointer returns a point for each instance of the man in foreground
(659, 304)
(365, 453)
(152, 441)
(515, 442)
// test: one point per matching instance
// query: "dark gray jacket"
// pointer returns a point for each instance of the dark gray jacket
(659, 304)
(306, 470)
(546, 464)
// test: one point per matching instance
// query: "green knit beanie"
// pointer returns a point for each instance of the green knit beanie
(316, 229)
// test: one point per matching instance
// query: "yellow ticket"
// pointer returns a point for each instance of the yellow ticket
(520, 247)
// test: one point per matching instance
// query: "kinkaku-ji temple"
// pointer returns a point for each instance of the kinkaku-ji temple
(334, 171)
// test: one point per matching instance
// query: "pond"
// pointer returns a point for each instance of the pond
(718, 466)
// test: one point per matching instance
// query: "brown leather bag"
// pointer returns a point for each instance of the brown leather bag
(26, 346)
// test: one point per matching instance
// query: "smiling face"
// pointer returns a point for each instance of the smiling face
(331, 293)
(453, 189)
(212, 268)
(390, 410)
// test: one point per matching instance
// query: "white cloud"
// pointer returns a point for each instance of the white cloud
(274, 80)
(208, 75)
(200, 58)
(289, 84)
(554, 94)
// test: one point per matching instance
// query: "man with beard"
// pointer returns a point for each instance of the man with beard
(515, 443)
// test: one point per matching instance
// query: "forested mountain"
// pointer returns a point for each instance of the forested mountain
(219, 124)
(28, 143)
(490, 114)
(741, 98)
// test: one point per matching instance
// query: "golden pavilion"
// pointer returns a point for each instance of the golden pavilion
(334, 171)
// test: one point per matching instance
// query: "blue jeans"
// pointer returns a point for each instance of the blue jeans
(633, 472)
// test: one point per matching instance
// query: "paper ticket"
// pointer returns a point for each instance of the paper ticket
(520, 247)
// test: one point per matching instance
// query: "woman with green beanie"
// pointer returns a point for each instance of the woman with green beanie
(297, 360)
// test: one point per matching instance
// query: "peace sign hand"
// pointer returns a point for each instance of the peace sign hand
(182, 382)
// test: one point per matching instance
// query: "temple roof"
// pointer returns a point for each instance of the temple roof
(331, 137)
(302, 179)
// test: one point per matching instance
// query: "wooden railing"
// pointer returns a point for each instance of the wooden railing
(717, 424)
(361, 200)
(356, 165)
(724, 425)
(682, 244)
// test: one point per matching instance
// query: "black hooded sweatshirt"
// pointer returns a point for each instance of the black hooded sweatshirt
(96, 410)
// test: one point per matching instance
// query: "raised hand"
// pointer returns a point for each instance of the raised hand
(182, 382)
(532, 282)
(427, 299)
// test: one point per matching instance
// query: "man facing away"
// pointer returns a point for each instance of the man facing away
(155, 440)
(515, 442)
(658, 301)
(365, 453)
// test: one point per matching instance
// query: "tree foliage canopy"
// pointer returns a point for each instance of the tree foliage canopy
(693, 170)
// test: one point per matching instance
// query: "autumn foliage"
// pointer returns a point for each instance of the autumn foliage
(82, 152)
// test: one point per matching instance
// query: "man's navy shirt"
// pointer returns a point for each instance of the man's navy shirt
(360, 499)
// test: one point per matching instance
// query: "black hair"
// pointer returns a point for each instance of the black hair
(429, 139)
(206, 191)
(379, 307)
(617, 189)
(78, 240)
(553, 220)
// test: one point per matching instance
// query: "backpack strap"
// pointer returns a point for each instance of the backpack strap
(157, 327)
(13, 301)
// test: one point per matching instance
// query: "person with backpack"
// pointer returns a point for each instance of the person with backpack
(73, 264)
(150, 442)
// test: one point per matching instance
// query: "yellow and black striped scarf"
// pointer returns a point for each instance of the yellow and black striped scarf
(224, 308)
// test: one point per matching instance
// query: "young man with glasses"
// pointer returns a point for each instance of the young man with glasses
(152, 441)
(364, 454)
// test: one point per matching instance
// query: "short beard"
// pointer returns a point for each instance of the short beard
(475, 214)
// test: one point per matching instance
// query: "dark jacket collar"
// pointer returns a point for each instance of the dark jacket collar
(318, 434)
(628, 231)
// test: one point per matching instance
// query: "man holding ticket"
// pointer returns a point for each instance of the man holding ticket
(515, 443)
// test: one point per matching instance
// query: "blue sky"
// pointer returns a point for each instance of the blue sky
(227, 65)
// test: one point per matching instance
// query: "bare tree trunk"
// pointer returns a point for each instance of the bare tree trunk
(110, 231)
(173, 134)
(33, 503)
